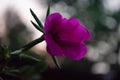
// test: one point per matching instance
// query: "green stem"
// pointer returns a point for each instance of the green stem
(33, 43)
(29, 45)
(56, 62)
(48, 10)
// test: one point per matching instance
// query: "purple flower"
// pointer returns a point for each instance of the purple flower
(65, 37)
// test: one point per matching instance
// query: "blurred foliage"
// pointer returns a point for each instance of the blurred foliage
(20, 66)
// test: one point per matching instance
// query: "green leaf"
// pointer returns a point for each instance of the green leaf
(48, 10)
(36, 18)
(33, 43)
(4, 52)
(37, 27)
(29, 45)
(29, 57)
(56, 62)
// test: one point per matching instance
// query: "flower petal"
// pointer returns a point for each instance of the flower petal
(51, 21)
(72, 31)
(52, 47)
(75, 51)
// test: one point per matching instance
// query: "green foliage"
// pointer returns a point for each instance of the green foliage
(20, 65)
(38, 21)
(36, 26)
(23, 66)
(48, 10)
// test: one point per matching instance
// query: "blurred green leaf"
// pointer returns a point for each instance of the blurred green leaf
(28, 72)
(56, 62)
(29, 57)
(4, 51)
(4, 56)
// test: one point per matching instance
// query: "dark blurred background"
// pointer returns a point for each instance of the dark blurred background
(101, 17)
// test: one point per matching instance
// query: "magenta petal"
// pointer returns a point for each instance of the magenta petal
(51, 21)
(74, 51)
(82, 30)
(73, 31)
(52, 47)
